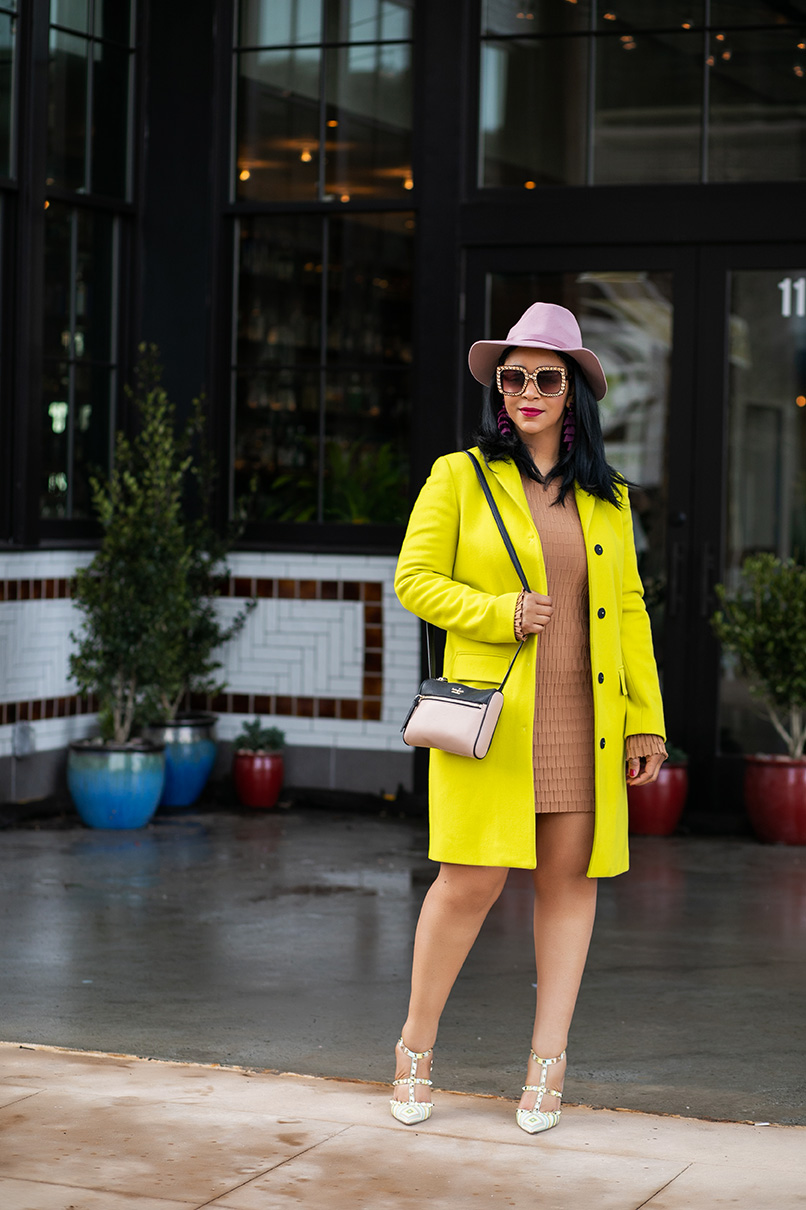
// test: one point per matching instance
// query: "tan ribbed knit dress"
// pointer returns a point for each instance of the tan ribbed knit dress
(563, 736)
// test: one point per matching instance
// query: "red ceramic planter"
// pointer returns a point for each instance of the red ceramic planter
(775, 798)
(655, 809)
(258, 777)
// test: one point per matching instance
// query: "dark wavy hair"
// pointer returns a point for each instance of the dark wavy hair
(584, 462)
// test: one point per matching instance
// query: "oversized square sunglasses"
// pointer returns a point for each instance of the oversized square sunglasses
(549, 380)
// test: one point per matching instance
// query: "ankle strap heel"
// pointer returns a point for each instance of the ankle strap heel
(411, 1111)
(534, 1121)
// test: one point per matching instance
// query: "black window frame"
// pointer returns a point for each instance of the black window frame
(22, 282)
(305, 537)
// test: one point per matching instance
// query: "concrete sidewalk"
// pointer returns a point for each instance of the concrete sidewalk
(86, 1131)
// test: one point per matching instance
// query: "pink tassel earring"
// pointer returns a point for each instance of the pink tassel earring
(569, 428)
(504, 423)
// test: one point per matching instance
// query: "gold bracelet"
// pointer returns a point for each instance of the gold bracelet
(518, 624)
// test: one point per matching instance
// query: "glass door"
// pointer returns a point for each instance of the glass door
(765, 496)
(626, 302)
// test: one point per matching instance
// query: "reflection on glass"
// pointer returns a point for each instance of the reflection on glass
(368, 148)
(110, 119)
(366, 448)
(91, 413)
(67, 117)
(92, 279)
(7, 42)
(370, 288)
(279, 289)
(538, 17)
(766, 502)
(56, 440)
(522, 82)
(648, 118)
(660, 14)
(278, 125)
(74, 14)
(368, 20)
(280, 22)
(626, 318)
(113, 20)
(757, 12)
(276, 461)
(58, 282)
(757, 127)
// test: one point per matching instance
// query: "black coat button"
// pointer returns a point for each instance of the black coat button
(601, 678)
(602, 613)
(601, 743)
(599, 550)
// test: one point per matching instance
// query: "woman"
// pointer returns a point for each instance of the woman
(582, 698)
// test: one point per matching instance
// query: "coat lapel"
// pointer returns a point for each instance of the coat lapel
(508, 475)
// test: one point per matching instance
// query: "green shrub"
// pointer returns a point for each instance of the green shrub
(763, 623)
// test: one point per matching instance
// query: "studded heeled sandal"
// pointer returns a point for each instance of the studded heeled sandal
(411, 1111)
(533, 1121)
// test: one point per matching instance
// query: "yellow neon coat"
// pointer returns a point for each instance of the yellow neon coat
(454, 571)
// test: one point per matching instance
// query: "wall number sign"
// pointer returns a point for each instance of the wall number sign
(793, 297)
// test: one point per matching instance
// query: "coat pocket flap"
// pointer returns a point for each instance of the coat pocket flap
(475, 666)
(622, 680)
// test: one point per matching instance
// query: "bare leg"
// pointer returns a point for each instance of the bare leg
(565, 906)
(452, 914)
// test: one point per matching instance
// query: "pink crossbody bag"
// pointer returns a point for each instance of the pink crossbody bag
(446, 714)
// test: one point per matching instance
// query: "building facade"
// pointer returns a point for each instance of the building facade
(313, 207)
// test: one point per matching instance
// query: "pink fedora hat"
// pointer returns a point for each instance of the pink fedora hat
(542, 326)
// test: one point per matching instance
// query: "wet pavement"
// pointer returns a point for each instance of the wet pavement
(92, 1132)
(281, 941)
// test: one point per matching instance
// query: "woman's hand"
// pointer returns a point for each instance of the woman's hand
(638, 777)
(537, 611)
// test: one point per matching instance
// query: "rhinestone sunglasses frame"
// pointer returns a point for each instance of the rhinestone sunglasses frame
(561, 370)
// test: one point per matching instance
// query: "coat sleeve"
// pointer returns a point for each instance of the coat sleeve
(644, 704)
(424, 578)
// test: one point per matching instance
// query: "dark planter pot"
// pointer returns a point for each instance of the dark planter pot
(190, 752)
(258, 777)
(115, 785)
(775, 798)
(655, 809)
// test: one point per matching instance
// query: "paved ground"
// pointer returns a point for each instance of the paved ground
(88, 1132)
(282, 940)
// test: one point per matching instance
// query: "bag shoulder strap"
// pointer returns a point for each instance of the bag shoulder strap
(430, 629)
(485, 487)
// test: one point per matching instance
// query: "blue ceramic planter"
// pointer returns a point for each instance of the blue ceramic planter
(190, 753)
(115, 785)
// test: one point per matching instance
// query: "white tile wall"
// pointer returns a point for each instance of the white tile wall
(304, 648)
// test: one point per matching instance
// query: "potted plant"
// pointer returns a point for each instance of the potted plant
(762, 621)
(257, 766)
(190, 747)
(134, 600)
(655, 809)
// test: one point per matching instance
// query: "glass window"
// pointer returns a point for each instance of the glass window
(626, 318)
(79, 370)
(673, 91)
(8, 29)
(280, 23)
(89, 152)
(520, 81)
(757, 127)
(67, 111)
(321, 418)
(278, 124)
(299, 94)
(766, 494)
(648, 113)
(73, 14)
